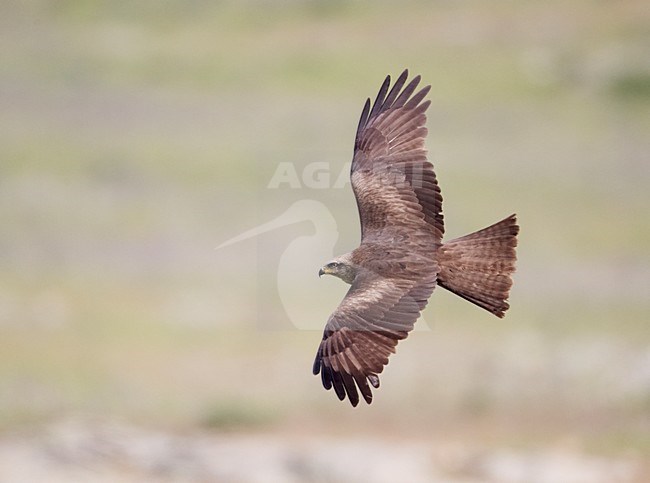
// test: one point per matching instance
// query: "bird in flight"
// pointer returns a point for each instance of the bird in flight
(401, 258)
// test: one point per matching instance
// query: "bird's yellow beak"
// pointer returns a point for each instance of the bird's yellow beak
(322, 272)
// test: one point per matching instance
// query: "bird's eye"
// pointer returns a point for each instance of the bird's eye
(334, 264)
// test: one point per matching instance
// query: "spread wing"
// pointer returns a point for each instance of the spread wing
(393, 182)
(400, 207)
(360, 335)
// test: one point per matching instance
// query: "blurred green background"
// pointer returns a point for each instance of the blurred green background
(137, 136)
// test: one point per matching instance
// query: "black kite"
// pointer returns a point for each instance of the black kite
(401, 258)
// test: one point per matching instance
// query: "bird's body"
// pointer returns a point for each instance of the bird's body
(401, 257)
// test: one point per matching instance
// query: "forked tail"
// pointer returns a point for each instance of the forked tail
(478, 266)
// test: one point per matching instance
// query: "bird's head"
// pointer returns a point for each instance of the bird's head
(341, 267)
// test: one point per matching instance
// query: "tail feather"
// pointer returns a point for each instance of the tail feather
(478, 266)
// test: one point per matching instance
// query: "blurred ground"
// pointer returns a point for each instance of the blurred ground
(138, 137)
(91, 451)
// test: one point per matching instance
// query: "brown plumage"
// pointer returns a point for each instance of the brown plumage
(401, 257)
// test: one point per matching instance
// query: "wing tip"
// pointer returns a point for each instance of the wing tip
(374, 380)
(345, 385)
